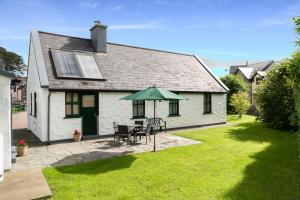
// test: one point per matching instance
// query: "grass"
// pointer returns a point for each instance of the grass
(245, 161)
(245, 119)
(18, 108)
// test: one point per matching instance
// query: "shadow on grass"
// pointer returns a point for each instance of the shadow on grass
(89, 163)
(275, 172)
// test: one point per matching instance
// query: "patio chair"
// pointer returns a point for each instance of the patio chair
(115, 130)
(144, 132)
(139, 125)
(157, 123)
(123, 132)
(139, 122)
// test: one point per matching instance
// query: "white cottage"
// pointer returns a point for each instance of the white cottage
(5, 121)
(76, 83)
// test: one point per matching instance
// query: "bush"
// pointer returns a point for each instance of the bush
(240, 102)
(274, 98)
(235, 84)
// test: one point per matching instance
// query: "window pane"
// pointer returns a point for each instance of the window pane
(135, 114)
(141, 110)
(68, 110)
(75, 97)
(88, 66)
(175, 111)
(66, 64)
(88, 101)
(68, 97)
(75, 109)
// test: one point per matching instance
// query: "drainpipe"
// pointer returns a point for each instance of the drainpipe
(48, 119)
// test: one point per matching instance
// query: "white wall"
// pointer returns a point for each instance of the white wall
(61, 127)
(112, 109)
(38, 125)
(5, 119)
(191, 111)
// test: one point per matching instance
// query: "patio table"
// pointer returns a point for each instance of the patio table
(132, 129)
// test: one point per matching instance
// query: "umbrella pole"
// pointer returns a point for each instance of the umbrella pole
(154, 146)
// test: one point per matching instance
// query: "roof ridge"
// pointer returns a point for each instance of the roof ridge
(151, 49)
(57, 34)
(125, 45)
(243, 65)
(261, 62)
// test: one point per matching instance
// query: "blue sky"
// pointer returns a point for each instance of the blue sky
(221, 31)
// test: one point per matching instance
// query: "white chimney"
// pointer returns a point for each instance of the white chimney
(98, 37)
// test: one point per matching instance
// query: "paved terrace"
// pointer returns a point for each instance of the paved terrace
(69, 153)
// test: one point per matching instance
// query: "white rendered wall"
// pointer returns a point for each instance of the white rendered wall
(191, 111)
(38, 125)
(60, 127)
(112, 109)
(5, 120)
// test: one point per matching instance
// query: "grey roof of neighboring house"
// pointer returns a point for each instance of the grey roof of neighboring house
(129, 68)
(260, 66)
(7, 74)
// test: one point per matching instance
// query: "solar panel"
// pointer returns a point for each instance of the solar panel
(89, 66)
(66, 64)
(75, 65)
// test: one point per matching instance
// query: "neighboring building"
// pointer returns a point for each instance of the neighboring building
(5, 119)
(252, 74)
(19, 90)
(76, 83)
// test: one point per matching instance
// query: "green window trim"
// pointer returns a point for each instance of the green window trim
(31, 104)
(72, 105)
(138, 109)
(207, 103)
(173, 107)
(35, 105)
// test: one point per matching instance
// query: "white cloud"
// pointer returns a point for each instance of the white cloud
(148, 25)
(117, 7)
(89, 3)
(275, 22)
(30, 3)
(14, 37)
(226, 53)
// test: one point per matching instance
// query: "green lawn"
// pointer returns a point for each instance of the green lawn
(247, 161)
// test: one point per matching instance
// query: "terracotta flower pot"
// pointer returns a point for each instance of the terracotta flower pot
(77, 137)
(22, 151)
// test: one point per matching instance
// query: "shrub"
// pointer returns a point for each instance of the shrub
(240, 102)
(274, 97)
(235, 84)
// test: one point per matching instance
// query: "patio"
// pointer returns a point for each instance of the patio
(69, 153)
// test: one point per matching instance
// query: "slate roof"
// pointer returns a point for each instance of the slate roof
(129, 68)
(244, 69)
(7, 74)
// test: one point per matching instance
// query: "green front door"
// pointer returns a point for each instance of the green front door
(89, 110)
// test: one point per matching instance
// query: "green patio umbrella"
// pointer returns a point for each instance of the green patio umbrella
(153, 94)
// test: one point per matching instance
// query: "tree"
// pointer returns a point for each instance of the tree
(235, 84)
(240, 102)
(274, 97)
(295, 74)
(11, 62)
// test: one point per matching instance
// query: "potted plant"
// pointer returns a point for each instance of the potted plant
(77, 136)
(22, 148)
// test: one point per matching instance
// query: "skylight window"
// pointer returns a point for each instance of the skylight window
(70, 64)
(89, 66)
(66, 64)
